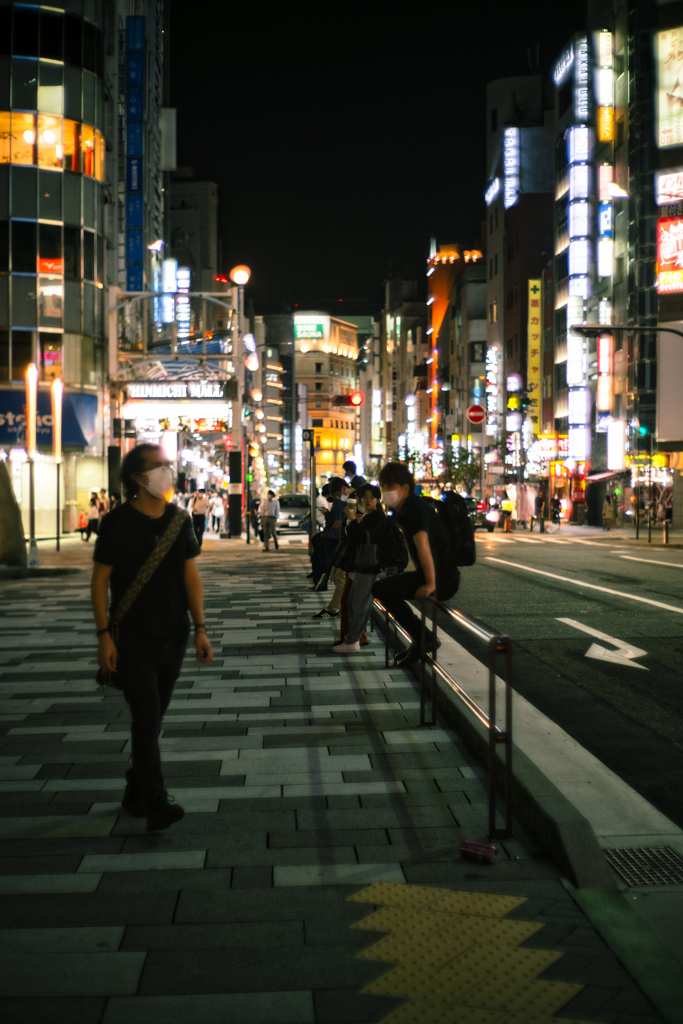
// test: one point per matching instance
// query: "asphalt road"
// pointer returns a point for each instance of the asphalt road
(628, 716)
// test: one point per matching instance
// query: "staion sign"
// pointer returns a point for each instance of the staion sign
(670, 255)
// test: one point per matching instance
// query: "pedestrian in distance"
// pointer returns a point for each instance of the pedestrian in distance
(329, 551)
(217, 512)
(199, 507)
(93, 516)
(429, 545)
(353, 477)
(376, 544)
(103, 502)
(146, 554)
(607, 513)
(270, 511)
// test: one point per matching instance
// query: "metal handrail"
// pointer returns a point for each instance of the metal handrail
(497, 644)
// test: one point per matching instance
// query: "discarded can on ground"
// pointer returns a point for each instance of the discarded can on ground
(482, 853)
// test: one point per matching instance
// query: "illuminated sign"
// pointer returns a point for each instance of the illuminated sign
(605, 220)
(669, 186)
(534, 353)
(576, 361)
(605, 124)
(579, 181)
(670, 255)
(169, 275)
(511, 166)
(605, 178)
(183, 311)
(312, 331)
(669, 51)
(47, 265)
(616, 444)
(581, 80)
(578, 144)
(579, 219)
(492, 190)
(563, 66)
(176, 389)
(604, 388)
(605, 257)
(604, 49)
(603, 87)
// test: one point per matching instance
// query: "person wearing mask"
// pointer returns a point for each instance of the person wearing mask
(199, 507)
(93, 516)
(429, 546)
(354, 478)
(328, 548)
(270, 511)
(368, 525)
(147, 645)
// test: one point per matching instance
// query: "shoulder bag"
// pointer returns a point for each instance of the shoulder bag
(104, 677)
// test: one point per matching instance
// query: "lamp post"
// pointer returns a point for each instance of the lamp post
(239, 275)
(31, 414)
(57, 392)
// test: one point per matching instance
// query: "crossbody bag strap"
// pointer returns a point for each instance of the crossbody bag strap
(150, 566)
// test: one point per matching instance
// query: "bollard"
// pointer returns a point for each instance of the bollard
(666, 531)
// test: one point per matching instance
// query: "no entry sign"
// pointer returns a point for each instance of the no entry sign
(475, 414)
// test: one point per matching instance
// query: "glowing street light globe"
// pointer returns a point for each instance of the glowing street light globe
(257, 395)
(252, 363)
(240, 274)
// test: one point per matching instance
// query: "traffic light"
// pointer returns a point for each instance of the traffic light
(524, 401)
(345, 401)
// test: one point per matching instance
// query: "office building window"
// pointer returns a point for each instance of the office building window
(318, 385)
(318, 367)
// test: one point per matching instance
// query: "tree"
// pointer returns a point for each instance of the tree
(460, 467)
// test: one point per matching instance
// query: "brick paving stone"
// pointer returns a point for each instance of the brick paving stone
(304, 776)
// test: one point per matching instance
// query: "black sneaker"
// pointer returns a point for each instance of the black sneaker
(413, 654)
(163, 813)
(132, 801)
(324, 614)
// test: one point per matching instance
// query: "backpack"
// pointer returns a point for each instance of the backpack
(454, 514)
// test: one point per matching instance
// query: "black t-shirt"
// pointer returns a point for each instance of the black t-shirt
(415, 515)
(126, 539)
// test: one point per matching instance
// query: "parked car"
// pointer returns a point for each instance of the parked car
(293, 508)
(479, 513)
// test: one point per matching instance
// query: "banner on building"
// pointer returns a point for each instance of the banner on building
(670, 255)
(534, 354)
(669, 49)
(80, 422)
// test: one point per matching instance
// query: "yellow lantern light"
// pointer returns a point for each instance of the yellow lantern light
(31, 408)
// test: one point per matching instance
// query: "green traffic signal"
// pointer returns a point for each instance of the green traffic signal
(642, 429)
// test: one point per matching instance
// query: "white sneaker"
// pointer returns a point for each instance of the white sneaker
(347, 648)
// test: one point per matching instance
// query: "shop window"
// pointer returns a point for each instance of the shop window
(73, 40)
(50, 195)
(50, 249)
(51, 36)
(4, 355)
(70, 145)
(87, 150)
(50, 301)
(88, 256)
(23, 138)
(25, 40)
(99, 156)
(72, 254)
(477, 352)
(5, 136)
(4, 246)
(50, 355)
(24, 249)
(50, 88)
(49, 141)
(22, 353)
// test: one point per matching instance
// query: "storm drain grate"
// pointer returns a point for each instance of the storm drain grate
(656, 866)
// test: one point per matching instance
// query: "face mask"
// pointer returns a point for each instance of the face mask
(391, 498)
(159, 481)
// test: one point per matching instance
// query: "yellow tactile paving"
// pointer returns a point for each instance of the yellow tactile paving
(457, 960)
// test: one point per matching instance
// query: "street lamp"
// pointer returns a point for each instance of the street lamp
(57, 391)
(31, 416)
(239, 275)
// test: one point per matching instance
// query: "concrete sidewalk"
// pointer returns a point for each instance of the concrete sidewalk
(312, 797)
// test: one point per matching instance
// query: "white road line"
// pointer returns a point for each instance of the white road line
(528, 540)
(624, 653)
(590, 586)
(651, 561)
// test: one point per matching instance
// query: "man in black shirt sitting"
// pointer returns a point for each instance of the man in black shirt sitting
(430, 551)
(152, 636)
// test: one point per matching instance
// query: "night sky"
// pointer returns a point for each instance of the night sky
(342, 137)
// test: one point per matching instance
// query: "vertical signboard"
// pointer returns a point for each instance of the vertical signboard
(670, 255)
(534, 354)
(669, 56)
(135, 110)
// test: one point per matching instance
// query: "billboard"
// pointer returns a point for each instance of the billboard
(669, 57)
(670, 255)
(534, 353)
(669, 186)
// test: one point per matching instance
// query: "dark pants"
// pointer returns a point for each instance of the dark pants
(199, 523)
(395, 591)
(148, 670)
(92, 528)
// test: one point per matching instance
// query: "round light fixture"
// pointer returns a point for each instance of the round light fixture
(240, 274)
(257, 395)
(29, 136)
(252, 363)
(410, 399)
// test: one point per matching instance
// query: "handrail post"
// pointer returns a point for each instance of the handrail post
(508, 735)
(492, 737)
(423, 651)
(434, 648)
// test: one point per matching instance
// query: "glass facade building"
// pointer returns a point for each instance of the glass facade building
(52, 171)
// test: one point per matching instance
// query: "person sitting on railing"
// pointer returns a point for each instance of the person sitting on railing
(375, 544)
(429, 545)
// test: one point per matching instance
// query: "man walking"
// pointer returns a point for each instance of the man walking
(270, 512)
(429, 546)
(145, 645)
(199, 507)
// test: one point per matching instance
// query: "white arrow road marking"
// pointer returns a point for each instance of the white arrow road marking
(652, 561)
(622, 656)
(590, 586)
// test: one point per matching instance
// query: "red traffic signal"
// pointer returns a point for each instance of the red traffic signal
(354, 400)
